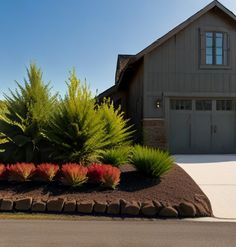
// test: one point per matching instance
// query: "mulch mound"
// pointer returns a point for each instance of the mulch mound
(171, 189)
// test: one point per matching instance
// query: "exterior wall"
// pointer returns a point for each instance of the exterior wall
(173, 69)
(130, 97)
(154, 133)
(134, 100)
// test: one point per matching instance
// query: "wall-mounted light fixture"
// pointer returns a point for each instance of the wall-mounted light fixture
(159, 102)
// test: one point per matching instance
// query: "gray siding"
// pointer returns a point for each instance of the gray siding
(134, 100)
(173, 68)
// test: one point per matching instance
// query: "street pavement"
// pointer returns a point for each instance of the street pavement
(216, 176)
(114, 233)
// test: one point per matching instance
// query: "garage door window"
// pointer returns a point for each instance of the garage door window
(178, 104)
(224, 105)
(203, 105)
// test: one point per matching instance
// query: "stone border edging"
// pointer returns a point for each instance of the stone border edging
(115, 208)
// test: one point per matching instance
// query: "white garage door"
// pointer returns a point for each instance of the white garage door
(202, 126)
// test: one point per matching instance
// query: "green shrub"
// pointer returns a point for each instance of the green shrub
(76, 131)
(151, 162)
(116, 156)
(117, 131)
(28, 110)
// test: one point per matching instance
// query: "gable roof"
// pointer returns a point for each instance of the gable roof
(132, 59)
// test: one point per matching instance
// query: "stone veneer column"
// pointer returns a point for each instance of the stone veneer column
(154, 133)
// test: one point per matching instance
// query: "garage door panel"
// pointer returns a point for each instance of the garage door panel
(201, 132)
(223, 127)
(180, 132)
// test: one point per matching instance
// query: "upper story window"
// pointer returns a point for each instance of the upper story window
(214, 49)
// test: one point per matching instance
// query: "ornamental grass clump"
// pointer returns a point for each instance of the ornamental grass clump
(95, 172)
(46, 172)
(21, 172)
(73, 174)
(152, 162)
(110, 176)
(116, 156)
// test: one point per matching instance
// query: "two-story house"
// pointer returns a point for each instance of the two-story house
(180, 92)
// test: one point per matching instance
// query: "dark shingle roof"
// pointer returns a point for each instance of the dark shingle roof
(122, 61)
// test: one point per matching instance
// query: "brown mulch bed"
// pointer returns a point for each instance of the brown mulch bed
(171, 189)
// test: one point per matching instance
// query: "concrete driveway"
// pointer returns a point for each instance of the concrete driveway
(216, 176)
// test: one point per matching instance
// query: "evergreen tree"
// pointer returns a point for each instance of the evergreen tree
(76, 130)
(28, 111)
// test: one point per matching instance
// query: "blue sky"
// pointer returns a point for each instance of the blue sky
(85, 34)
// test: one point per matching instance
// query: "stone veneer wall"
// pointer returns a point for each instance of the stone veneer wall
(154, 133)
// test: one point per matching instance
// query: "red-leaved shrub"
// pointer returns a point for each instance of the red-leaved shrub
(2, 172)
(110, 176)
(74, 174)
(46, 171)
(20, 172)
(95, 172)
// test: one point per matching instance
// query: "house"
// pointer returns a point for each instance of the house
(180, 91)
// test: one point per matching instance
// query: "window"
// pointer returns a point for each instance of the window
(180, 104)
(214, 48)
(224, 105)
(203, 105)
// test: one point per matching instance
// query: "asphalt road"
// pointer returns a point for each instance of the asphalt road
(135, 233)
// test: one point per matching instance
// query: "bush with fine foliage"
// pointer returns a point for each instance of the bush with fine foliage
(2, 171)
(95, 173)
(46, 172)
(21, 172)
(152, 162)
(36, 127)
(106, 175)
(76, 132)
(27, 112)
(116, 156)
(79, 130)
(117, 131)
(73, 174)
(110, 176)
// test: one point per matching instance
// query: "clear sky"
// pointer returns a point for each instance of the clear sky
(85, 34)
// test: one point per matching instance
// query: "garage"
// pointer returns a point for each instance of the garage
(202, 126)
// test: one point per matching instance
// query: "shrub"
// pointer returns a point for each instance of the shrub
(116, 156)
(95, 172)
(74, 174)
(76, 130)
(151, 162)
(2, 172)
(46, 171)
(27, 111)
(117, 131)
(20, 172)
(110, 176)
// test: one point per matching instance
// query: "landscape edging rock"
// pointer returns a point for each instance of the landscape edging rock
(111, 208)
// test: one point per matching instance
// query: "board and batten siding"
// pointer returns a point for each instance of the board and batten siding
(134, 100)
(173, 69)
